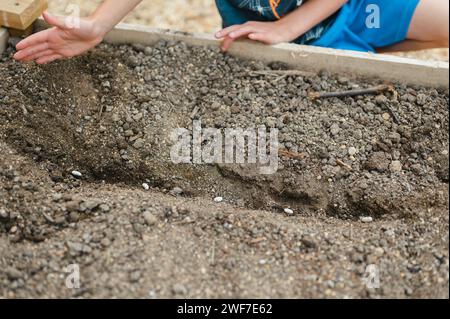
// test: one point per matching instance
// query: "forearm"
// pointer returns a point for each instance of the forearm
(307, 16)
(111, 12)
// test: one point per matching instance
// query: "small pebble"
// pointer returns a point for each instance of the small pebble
(135, 276)
(335, 129)
(289, 211)
(396, 166)
(352, 151)
(3, 213)
(139, 143)
(218, 199)
(74, 217)
(146, 186)
(105, 242)
(179, 289)
(13, 273)
(104, 208)
(57, 197)
(176, 191)
(149, 218)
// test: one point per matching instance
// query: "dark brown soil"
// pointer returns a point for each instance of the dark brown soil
(109, 115)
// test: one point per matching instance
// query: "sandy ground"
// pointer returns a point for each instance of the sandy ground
(193, 16)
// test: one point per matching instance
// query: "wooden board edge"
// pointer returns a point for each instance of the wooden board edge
(43, 5)
(4, 36)
(28, 17)
(308, 58)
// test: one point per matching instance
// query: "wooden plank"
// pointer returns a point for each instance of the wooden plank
(307, 58)
(16, 33)
(20, 14)
(4, 36)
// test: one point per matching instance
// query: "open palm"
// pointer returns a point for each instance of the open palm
(60, 41)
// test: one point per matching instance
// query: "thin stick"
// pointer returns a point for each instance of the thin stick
(393, 114)
(24, 110)
(373, 90)
(395, 98)
(213, 253)
(344, 165)
(100, 111)
(184, 222)
(293, 155)
(257, 240)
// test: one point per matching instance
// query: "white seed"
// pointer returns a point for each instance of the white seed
(366, 219)
(146, 186)
(76, 174)
(218, 199)
(289, 211)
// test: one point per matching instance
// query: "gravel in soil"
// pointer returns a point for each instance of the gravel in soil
(86, 178)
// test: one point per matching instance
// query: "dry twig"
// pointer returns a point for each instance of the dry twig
(293, 155)
(344, 165)
(372, 90)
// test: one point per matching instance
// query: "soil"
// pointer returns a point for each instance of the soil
(362, 181)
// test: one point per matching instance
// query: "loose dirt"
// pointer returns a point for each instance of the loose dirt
(366, 178)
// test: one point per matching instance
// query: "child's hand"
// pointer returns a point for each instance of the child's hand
(61, 41)
(266, 32)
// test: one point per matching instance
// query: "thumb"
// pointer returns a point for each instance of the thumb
(54, 20)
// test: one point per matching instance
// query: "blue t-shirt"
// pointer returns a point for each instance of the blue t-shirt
(350, 28)
(240, 11)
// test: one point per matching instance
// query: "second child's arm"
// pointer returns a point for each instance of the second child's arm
(286, 29)
(66, 40)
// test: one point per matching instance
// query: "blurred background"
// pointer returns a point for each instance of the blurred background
(199, 16)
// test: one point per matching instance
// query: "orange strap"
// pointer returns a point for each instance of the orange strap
(274, 5)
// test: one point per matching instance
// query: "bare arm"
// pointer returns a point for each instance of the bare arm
(66, 40)
(287, 28)
(111, 12)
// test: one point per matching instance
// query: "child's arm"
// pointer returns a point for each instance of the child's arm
(66, 40)
(286, 29)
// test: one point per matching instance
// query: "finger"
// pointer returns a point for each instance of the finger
(34, 39)
(54, 20)
(22, 54)
(242, 32)
(226, 43)
(38, 55)
(261, 37)
(224, 32)
(48, 58)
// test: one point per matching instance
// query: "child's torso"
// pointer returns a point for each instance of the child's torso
(241, 11)
(271, 9)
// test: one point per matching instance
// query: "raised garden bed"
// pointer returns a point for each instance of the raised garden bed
(109, 115)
